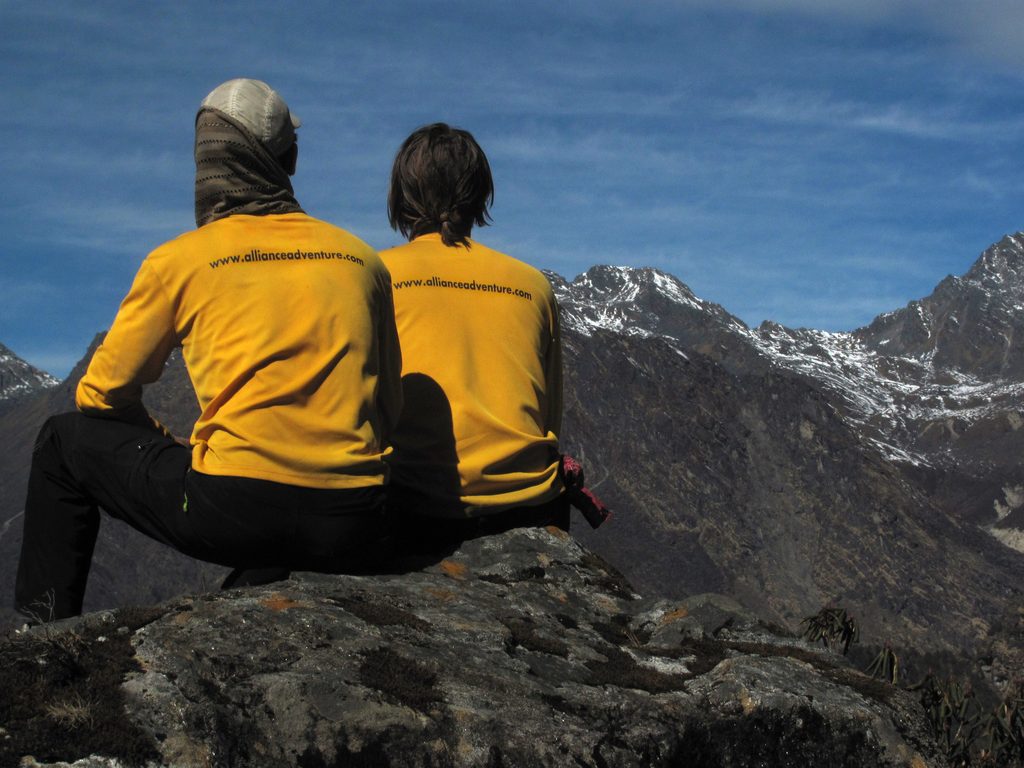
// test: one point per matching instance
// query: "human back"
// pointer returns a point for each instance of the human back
(481, 373)
(484, 327)
(284, 320)
(284, 355)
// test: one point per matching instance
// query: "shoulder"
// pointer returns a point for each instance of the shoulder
(513, 267)
(327, 230)
(396, 252)
(182, 241)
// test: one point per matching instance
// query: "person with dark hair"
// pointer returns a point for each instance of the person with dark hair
(287, 329)
(476, 448)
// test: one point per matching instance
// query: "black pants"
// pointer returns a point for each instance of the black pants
(417, 528)
(140, 476)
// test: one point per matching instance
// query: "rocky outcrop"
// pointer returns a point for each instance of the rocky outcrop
(521, 649)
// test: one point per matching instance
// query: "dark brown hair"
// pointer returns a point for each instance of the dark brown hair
(440, 182)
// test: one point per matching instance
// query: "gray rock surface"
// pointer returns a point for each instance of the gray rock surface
(521, 649)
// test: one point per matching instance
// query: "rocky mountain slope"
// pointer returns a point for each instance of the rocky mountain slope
(972, 324)
(521, 649)
(937, 387)
(755, 486)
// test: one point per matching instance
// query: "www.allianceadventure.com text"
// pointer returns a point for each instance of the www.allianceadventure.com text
(257, 255)
(473, 285)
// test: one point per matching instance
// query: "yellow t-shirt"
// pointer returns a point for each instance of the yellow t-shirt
(481, 377)
(287, 330)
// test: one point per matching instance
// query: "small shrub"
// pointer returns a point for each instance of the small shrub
(1002, 736)
(953, 713)
(834, 627)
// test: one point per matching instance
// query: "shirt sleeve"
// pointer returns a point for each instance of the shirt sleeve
(132, 354)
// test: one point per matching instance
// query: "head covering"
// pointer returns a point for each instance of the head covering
(235, 172)
(259, 108)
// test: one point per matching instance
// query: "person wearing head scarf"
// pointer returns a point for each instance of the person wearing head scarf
(286, 327)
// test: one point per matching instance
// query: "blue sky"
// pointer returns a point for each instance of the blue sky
(813, 162)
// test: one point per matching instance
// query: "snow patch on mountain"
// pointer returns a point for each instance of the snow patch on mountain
(18, 378)
(1011, 537)
(642, 302)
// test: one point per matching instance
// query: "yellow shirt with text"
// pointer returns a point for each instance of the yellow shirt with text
(481, 377)
(287, 330)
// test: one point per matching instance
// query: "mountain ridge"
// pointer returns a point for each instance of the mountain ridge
(919, 392)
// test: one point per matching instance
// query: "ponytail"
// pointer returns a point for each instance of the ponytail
(440, 182)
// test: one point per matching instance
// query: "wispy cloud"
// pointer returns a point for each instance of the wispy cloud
(104, 231)
(803, 109)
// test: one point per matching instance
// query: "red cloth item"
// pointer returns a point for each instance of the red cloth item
(580, 496)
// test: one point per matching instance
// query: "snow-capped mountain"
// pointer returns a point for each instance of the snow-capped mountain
(937, 387)
(650, 303)
(644, 302)
(18, 378)
(958, 353)
(916, 364)
(972, 324)
(786, 466)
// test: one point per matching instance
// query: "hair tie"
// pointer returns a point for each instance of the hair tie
(443, 218)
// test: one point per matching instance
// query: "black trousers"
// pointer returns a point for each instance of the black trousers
(136, 474)
(416, 530)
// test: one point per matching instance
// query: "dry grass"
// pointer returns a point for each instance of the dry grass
(71, 712)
